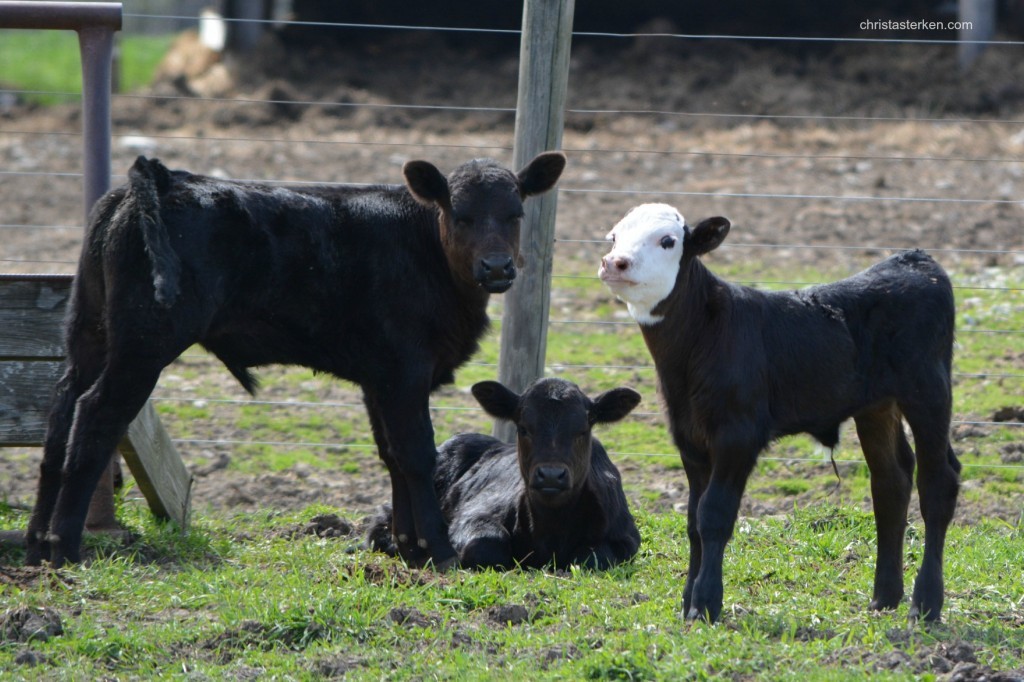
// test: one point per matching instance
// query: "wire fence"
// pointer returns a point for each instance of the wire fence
(667, 157)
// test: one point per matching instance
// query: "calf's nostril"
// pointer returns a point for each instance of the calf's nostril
(498, 264)
(550, 477)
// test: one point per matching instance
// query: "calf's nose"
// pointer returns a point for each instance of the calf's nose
(498, 266)
(619, 263)
(551, 477)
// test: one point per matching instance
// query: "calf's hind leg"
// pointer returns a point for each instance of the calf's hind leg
(102, 416)
(938, 483)
(84, 365)
(70, 387)
(891, 462)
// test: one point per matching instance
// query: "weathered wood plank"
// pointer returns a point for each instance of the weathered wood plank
(26, 389)
(31, 361)
(977, 24)
(540, 115)
(157, 468)
(32, 316)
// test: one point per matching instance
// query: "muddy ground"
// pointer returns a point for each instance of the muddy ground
(768, 136)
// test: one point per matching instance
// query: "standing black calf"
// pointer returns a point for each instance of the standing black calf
(385, 286)
(553, 497)
(739, 368)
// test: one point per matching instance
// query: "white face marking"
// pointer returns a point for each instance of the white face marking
(642, 265)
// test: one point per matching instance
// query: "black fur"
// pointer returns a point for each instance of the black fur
(377, 285)
(493, 494)
(739, 368)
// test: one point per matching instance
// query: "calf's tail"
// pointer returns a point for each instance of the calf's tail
(146, 178)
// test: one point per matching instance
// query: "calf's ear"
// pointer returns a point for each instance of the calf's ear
(496, 399)
(541, 173)
(613, 405)
(427, 184)
(707, 236)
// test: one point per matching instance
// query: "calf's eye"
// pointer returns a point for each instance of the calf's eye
(667, 242)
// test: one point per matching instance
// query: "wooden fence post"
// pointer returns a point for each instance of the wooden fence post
(978, 22)
(540, 116)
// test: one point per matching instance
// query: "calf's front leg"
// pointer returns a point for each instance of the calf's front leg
(697, 479)
(481, 542)
(403, 528)
(716, 518)
(409, 440)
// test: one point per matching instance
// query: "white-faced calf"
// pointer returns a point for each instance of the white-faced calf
(384, 286)
(552, 498)
(740, 367)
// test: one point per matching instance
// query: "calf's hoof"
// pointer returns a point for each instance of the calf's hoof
(917, 612)
(34, 556)
(927, 598)
(444, 558)
(410, 552)
(62, 552)
(706, 615)
(884, 604)
(37, 548)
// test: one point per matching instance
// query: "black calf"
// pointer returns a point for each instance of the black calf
(554, 497)
(384, 286)
(740, 368)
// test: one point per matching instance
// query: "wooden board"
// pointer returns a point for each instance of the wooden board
(157, 468)
(32, 360)
(26, 389)
(32, 316)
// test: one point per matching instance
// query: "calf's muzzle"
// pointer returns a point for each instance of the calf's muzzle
(550, 479)
(495, 272)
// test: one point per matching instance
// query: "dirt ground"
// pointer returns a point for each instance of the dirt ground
(769, 137)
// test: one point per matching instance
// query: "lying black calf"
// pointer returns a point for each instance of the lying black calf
(552, 498)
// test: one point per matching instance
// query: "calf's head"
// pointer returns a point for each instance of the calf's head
(649, 246)
(553, 419)
(480, 209)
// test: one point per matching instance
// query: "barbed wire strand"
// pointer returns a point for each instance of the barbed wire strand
(571, 111)
(642, 191)
(567, 149)
(590, 34)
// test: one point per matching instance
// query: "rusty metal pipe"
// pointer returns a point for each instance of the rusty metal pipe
(69, 16)
(95, 23)
(96, 44)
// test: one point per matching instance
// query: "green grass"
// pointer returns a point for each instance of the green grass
(241, 594)
(60, 72)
